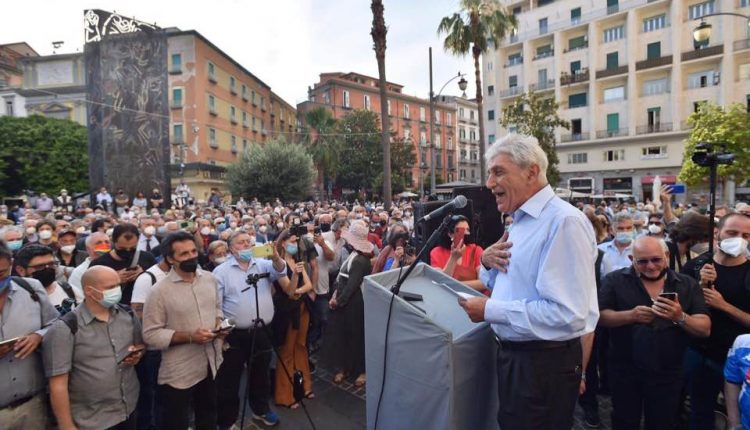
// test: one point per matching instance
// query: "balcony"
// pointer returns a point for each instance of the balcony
(510, 92)
(661, 127)
(577, 48)
(575, 137)
(741, 45)
(549, 84)
(176, 104)
(514, 62)
(175, 70)
(702, 53)
(611, 72)
(605, 134)
(581, 75)
(546, 54)
(653, 62)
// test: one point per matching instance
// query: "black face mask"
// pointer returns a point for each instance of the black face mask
(189, 266)
(383, 223)
(325, 227)
(125, 254)
(45, 276)
(662, 274)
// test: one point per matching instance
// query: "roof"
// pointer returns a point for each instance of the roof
(22, 48)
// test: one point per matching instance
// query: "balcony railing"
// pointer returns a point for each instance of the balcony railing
(575, 137)
(702, 53)
(740, 45)
(611, 72)
(581, 75)
(512, 91)
(661, 127)
(514, 62)
(543, 85)
(653, 62)
(177, 140)
(709, 83)
(546, 54)
(604, 134)
(577, 48)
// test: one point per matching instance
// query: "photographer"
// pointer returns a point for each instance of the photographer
(394, 254)
(457, 258)
(726, 282)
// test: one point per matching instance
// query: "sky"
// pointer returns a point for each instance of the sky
(286, 43)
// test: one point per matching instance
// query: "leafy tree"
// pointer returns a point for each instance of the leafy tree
(361, 160)
(321, 142)
(275, 169)
(402, 159)
(716, 124)
(535, 115)
(378, 33)
(476, 27)
(42, 154)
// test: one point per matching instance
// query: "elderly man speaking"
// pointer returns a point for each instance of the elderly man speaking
(543, 296)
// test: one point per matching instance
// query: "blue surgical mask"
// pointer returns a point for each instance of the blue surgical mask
(245, 254)
(291, 249)
(4, 284)
(624, 237)
(15, 245)
(111, 297)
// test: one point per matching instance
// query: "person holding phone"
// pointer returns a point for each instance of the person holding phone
(652, 313)
(458, 258)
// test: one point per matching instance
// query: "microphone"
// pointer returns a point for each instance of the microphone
(457, 203)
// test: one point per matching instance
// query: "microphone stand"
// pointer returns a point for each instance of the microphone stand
(422, 253)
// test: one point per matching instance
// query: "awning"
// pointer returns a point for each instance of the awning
(666, 179)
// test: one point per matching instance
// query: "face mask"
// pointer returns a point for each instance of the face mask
(30, 231)
(205, 231)
(325, 227)
(45, 235)
(654, 229)
(4, 284)
(232, 225)
(280, 225)
(15, 245)
(383, 223)
(110, 231)
(45, 276)
(111, 297)
(162, 230)
(291, 249)
(149, 231)
(662, 274)
(219, 260)
(263, 229)
(125, 254)
(734, 246)
(624, 237)
(68, 249)
(81, 230)
(245, 255)
(189, 266)
(252, 240)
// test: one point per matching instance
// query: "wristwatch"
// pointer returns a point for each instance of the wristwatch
(682, 320)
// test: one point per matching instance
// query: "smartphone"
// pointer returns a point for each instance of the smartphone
(458, 237)
(226, 326)
(670, 296)
(9, 342)
(136, 350)
(263, 251)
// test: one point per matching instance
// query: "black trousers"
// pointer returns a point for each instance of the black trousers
(655, 396)
(588, 400)
(230, 372)
(176, 403)
(128, 424)
(538, 384)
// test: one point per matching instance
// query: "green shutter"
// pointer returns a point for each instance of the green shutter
(574, 67)
(612, 61)
(576, 42)
(575, 14)
(613, 122)
(653, 50)
(577, 100)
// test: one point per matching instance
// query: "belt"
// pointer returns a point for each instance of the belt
(537, 345)
(18, 402)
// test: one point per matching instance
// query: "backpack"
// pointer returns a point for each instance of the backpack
(68, 289)
(71, 319)
(26, 286)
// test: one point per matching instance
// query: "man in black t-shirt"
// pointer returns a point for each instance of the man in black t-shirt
(725, 279)
(122, 257)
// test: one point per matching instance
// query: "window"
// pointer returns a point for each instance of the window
(262, 103)
(744, 3)
(232, 85)
(422, 137)
(176, 62)
(437, 141)
(263, 127)
(491, 115)
(471, 114)
(233, 146)
(575, 16)
(703, 79)
(211, 72)
(577, 100)
(513, 81)
(655, 86)
(654, 23)
(388, 102)
(541, 75)
(613, 60)
(326, 98)
(437, 117)
(575, 67)
(489, 65)
(613, 124)
(744, 74)
(614, 94)
(698, 10)
(543, 26)
(697, 105)
(461, 113)
(9, 107)
(177, 136)
(747, 98)
(653, 51)
(212, 138)
(422, 114)
(252, 98)
(514, 59)
(255, 124)
(614, 33)
(579, 42)
(650, 152)
(490, 90)
(367, 102)
(212, 105)
(578, 158)
(244, 120)
(462, 133)
(244, 144)
(346, 99)
(612, 6)
(406, 111)
(407, 134)
(491, 139)
(576, 128)
(244, 92)
(614, 155)
(449, 118)
(177, 97)
(544, 51)
(233, 114)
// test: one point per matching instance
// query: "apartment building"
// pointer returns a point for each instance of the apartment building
(283, 119)
(341, 93)
(627, 76)
(11, 77)
(467, 136)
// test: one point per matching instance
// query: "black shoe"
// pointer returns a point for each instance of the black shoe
(591, 419)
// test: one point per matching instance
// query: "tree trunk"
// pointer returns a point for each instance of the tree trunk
(378, 33)
(476, 52)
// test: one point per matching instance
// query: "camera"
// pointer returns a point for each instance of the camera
(705, 155)
(299, 230)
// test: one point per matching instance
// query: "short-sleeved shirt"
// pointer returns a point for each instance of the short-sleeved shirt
(737, 371)
(660, 345)
(21, 315)
(613, 258)
(103, 391)
(145, 260)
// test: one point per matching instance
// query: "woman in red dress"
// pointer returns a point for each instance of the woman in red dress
(455, 257)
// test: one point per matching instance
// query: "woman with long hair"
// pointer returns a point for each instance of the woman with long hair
(394, 254)
(457, 258)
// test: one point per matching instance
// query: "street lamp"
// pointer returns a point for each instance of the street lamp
(462, 83)
(702, 33)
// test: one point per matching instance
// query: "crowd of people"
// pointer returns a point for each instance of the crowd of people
(138, 314)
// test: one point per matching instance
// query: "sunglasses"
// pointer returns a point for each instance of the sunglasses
(652, 260)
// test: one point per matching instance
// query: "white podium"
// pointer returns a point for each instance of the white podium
(441, 367)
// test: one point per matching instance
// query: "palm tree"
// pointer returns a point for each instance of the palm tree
(321, 143)
(477, 26)
(378, 34)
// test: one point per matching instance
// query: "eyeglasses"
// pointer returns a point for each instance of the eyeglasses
(654, 223)
(652, 260)
(50, 265)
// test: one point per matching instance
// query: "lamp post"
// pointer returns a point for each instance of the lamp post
(462, 83)
(702, 33)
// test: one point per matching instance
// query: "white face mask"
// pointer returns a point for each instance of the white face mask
(81, 230)
(219, 260)
(654, 229)
(30, 231)
(68, 249)
(45, 234)
(149, 231)
(205, 231)
(734, 246)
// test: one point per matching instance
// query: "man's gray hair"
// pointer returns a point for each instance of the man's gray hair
(523, 152)
(7, 228)
(622, 216)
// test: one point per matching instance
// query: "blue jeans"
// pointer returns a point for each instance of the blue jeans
(318, 319)
(148, 399)
(705, 379)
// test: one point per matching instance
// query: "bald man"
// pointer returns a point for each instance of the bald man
(652, 312)
(89, 358)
